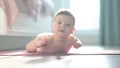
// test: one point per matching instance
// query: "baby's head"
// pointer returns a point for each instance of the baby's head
(63, 23)
(65, 12)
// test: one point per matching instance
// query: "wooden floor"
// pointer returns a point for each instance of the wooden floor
(86, 59)
(71, 61)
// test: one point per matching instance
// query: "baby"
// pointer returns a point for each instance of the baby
(62, 38)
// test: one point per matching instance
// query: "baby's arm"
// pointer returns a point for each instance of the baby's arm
(77, 43)
(36, 43)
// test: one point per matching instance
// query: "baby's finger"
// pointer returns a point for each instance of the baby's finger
(47, 39)
(42, 41)
(77, 45)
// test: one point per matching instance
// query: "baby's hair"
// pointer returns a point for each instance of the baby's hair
(65, 12)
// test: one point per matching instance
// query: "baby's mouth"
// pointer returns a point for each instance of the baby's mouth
(61, 30)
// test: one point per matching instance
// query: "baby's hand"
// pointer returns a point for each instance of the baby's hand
(77, 43)
(42, 41)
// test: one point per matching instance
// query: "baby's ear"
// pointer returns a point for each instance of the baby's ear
(73, 30)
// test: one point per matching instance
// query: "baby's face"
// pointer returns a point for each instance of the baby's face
(63, 25)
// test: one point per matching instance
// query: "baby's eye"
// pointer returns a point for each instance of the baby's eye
(59, 22)
(67, 24)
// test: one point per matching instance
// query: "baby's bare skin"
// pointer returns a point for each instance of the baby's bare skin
(48, 44)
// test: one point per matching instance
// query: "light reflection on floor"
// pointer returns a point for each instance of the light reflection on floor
(87, 50)
(89, 61)
(79, 62)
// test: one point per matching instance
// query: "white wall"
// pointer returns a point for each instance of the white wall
(19, 42)
(14, 42)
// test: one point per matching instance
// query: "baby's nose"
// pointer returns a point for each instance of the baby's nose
(62, 25)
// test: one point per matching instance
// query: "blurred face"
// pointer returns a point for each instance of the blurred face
(63, 25)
